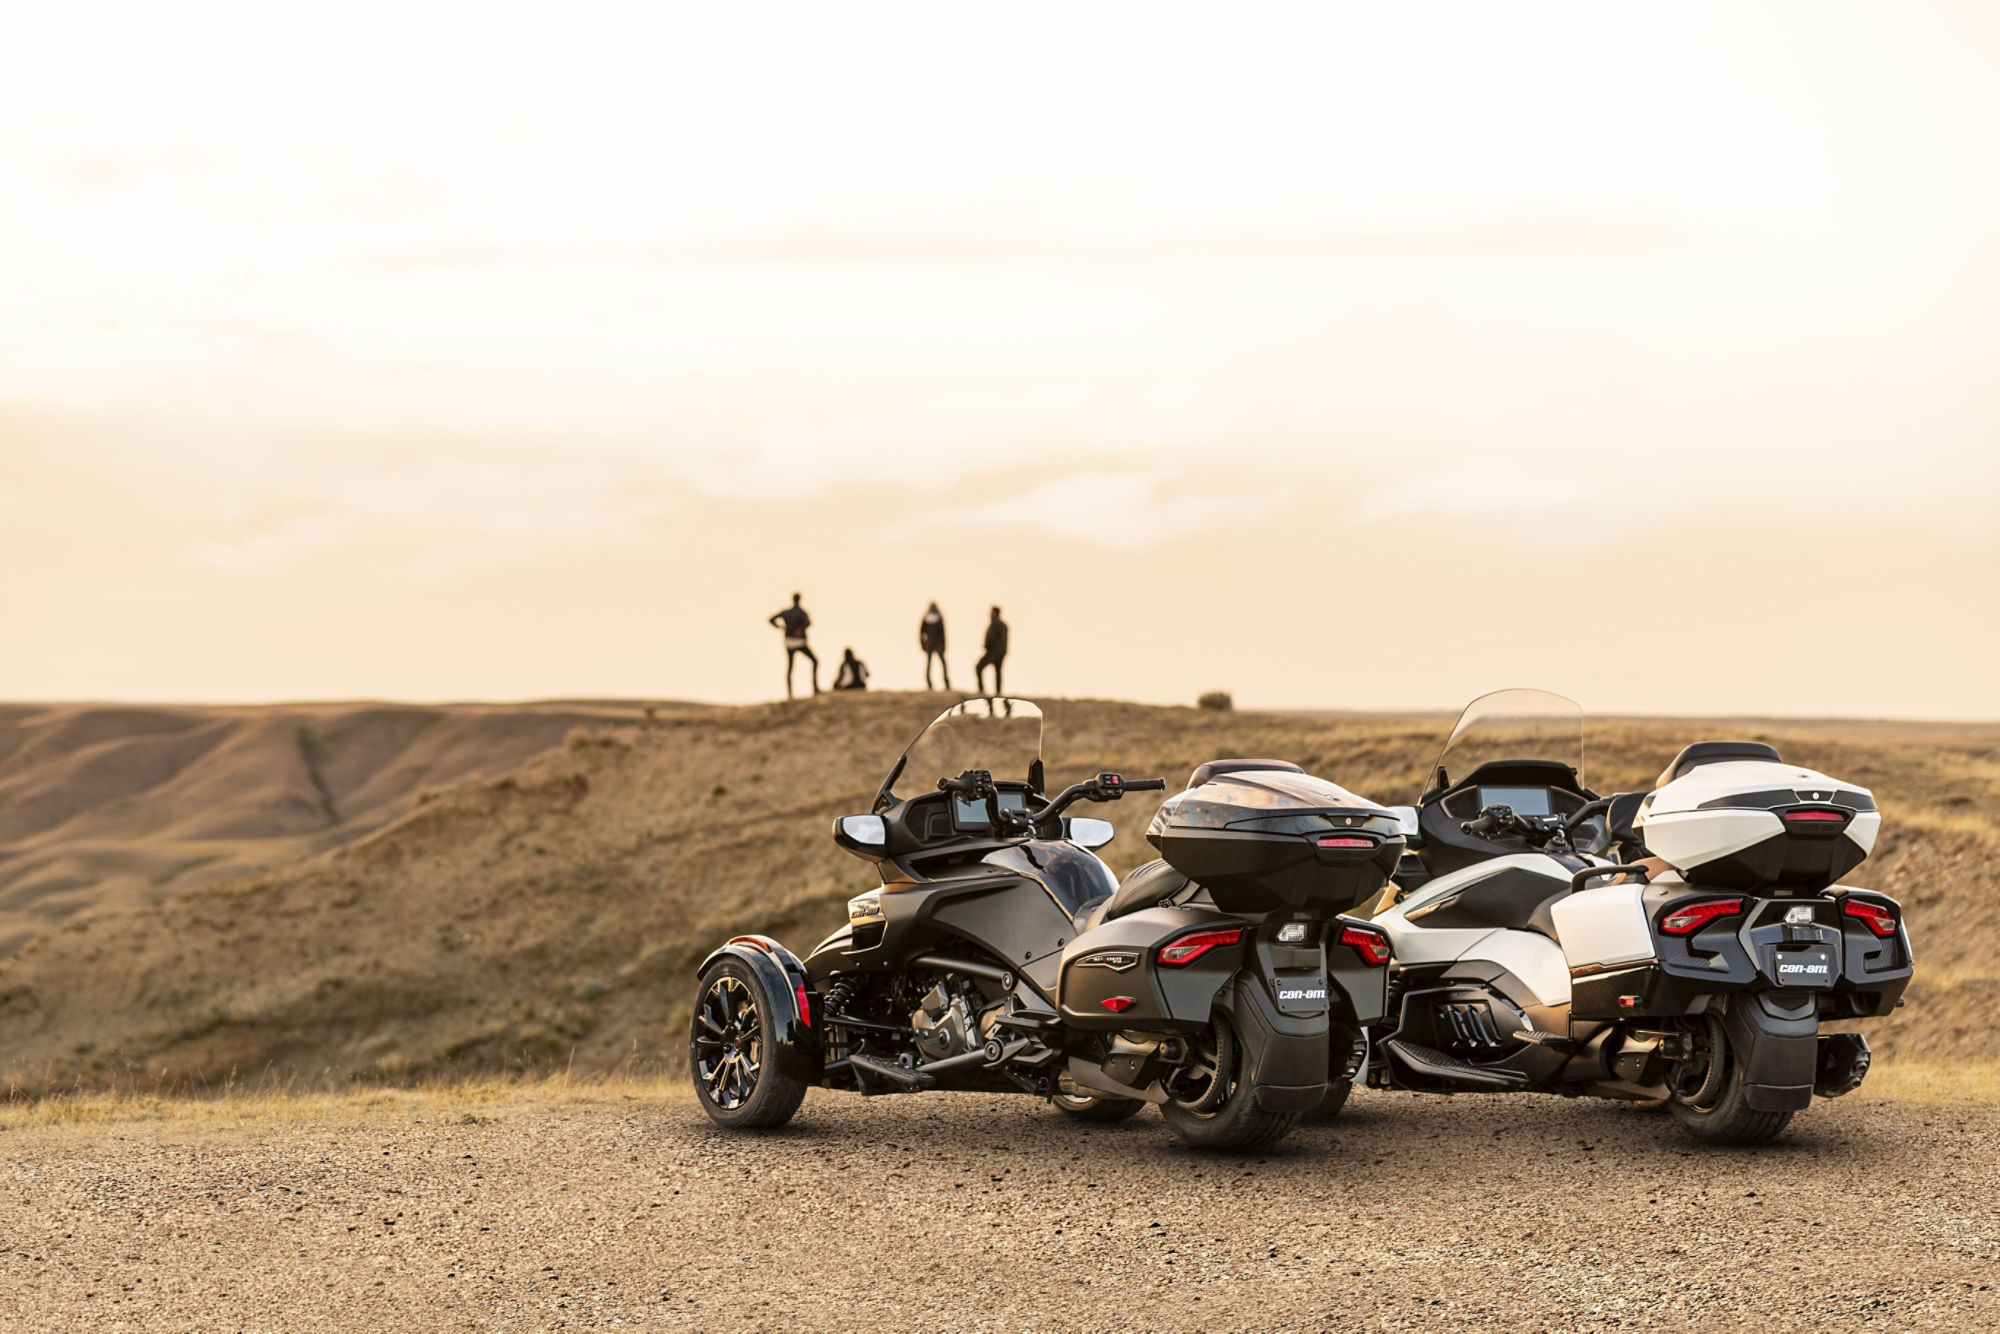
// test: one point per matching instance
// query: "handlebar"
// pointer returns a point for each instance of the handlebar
(1493, 819)
(978, 785)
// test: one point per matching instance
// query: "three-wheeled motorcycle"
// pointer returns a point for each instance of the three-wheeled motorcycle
(1220, 983)
(1680, 946)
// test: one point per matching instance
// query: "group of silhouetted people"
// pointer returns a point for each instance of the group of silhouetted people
(853, 673)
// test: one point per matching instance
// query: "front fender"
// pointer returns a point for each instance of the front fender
(795, 1041)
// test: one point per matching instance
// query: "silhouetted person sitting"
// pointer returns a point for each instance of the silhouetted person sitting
(852, 675)
(793, 621)
(930, 637)
(996, 653)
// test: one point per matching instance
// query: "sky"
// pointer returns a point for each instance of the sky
(1338, 356)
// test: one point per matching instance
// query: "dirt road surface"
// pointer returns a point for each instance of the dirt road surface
(529, 1210)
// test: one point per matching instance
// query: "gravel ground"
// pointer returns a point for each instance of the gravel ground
(957, 1212)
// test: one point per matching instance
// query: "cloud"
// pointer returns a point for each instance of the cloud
(438, 518)
(1474, 490)
(1110, 508)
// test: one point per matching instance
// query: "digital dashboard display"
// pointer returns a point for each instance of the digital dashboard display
(974, 812)
(1524, 800)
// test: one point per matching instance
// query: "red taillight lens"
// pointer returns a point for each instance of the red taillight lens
(1345, 841)
(1814, 817)
(805, 1010)
(1189, 948)
(1118, 1004)
(1687, 920)
(1370, 944)
(1873, 915)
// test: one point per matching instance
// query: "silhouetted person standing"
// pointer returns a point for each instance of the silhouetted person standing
(930, 637)
(996, 652)
(793, 621)
(852, 674)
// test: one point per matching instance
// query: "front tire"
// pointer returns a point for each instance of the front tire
(1709, 1103)
(1212, 1103)
(730, 1060)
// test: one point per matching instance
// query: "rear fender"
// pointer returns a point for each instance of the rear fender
(795, 1042)
(1287, 1053)
(1775, 1036)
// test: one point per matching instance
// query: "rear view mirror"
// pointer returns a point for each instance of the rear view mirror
(863, 834)
(1413, 832)
(1086, 832)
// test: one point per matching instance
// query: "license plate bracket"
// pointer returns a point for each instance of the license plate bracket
(1801, 967)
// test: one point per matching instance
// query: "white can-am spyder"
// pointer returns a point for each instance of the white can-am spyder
(1530, 955)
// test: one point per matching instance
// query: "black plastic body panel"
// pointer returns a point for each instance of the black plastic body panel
(1250, 838)
(1447, 848)
(1256, 871)
(1775, 1037)
(1287, 1053)
(1120, 958)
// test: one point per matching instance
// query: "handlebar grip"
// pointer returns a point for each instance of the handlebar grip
(1146, 785)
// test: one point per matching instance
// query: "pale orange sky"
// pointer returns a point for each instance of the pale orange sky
(1339, 356)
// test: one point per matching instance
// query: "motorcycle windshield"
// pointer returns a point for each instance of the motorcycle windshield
(1002, 736)
(1512, 725)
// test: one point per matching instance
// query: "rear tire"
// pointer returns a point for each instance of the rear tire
(1223, 1116)
(1723, 1116)
(735, 1073)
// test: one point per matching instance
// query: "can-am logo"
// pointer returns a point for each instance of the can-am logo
(1818, 969)
(1116, 960)
(1309, 993)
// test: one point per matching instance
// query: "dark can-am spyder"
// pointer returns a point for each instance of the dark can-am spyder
(1000, 955)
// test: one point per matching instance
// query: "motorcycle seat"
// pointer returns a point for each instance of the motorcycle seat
(1149, 884)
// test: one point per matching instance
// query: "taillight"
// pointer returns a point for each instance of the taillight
(1873, 915)
(1344, 841)
(1118, 1004)
(1685, 921)
(805, 1011)
(1189, 948)
(1815, 817)
(1370, 944)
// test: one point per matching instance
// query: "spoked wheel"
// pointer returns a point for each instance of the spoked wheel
(728, 1049)
(1210, 1104)
(1707, 1094)
(1079, 1105)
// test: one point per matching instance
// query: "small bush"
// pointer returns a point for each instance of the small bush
(1218, 700)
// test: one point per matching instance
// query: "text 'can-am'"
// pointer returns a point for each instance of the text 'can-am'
(1000, 954)
(1682, 945)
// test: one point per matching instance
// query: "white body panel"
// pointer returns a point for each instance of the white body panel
(1679, 831)
(1530, 956)
(1689, 838)
(1601, 926)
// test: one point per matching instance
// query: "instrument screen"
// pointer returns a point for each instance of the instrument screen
(1524, 800)
(972, 814)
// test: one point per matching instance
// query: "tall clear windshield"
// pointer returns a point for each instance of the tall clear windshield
(1002, 736)
(1512, 725)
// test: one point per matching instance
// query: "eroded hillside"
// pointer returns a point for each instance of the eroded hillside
(108, 806)
(552, 916)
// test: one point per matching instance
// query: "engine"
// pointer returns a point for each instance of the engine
(953, 1018)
